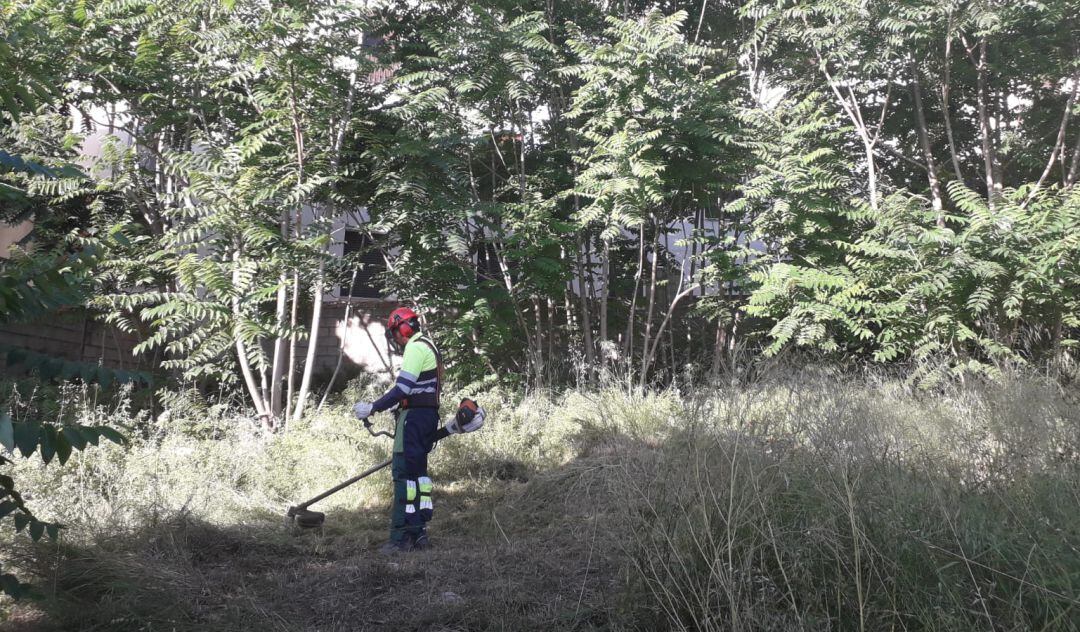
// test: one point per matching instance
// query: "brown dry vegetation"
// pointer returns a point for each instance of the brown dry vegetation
(814, 501)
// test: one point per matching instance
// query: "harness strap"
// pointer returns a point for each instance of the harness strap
(438, 366)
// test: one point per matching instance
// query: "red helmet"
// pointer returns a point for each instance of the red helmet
(403, 320)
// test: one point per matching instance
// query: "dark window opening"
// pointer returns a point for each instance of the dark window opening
(487, 263)
(369, 265)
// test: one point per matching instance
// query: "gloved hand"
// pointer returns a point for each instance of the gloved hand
(362, 410)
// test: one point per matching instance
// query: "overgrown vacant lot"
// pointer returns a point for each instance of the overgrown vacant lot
(810, 501)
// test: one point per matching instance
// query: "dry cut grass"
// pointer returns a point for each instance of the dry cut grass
(812, 501)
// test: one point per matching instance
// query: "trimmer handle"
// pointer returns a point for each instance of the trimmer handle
(367, 424)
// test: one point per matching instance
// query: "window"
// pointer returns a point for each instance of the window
(487, 263)
(371, 264)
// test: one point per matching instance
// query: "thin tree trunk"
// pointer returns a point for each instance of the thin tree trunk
(594, 302)
(264, 383)
(946, 114)
(278, 369)
(645, 354)
(298, 141)
(551, 315)
(928, 154)
(241, 348)
(986, 132)
(701, 18)
(605, 278)
(571, 318)
(854, 112)
(720, 340)
(1059, 143)
(871, 173)
(290, 376)
(586, 320)
(660, 330)
(1074, 168)
(538, 338)
(509, 284)
(628, 344)
(313, 342)
(341, 347)
(697, 227)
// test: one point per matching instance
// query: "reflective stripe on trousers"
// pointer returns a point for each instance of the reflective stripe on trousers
(412, 487)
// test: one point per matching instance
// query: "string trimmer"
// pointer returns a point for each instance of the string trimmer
(469, 418)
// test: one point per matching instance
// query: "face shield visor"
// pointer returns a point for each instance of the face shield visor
(392, 346)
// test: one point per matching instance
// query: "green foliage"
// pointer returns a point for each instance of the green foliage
(988, 290)
(653, 118)
(465, 186)
(526, 168)
(31, 288)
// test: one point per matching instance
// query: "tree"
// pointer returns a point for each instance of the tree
(238, 116)
(655, 119)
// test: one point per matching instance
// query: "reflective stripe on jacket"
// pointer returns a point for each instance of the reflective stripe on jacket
(419, 376)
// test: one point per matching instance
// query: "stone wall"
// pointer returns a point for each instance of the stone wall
(72, 336)
(361, 340)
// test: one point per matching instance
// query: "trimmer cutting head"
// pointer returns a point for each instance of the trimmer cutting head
(305, 518)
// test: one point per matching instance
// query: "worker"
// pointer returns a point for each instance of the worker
(416, 394)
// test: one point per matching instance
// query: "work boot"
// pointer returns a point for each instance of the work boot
(422, 543)
(393, 547)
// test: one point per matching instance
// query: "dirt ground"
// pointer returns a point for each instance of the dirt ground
(508, 555)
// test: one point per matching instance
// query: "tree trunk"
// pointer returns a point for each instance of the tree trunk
(986, 132)
(508, 281)
(871, 173)
(1074, 168)
(298, 141)
(241, 348)
(628, 344)
(538, 337)
(552, 330)
(571, 318)
(928, 154)
(1059, 142)
(586, 320)
(647, 361)
(294, 319)
(645, 354)
(605, 279)
(946, 86)
(278, 370)
(594, 302)
(313, 342)
(854, 112)
(721, 338)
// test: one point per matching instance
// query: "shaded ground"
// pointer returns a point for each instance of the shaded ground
(497, 564)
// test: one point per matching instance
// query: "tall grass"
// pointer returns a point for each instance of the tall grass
(812, 503)
(802, 501)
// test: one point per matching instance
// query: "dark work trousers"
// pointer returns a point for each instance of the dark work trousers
(413, 440)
